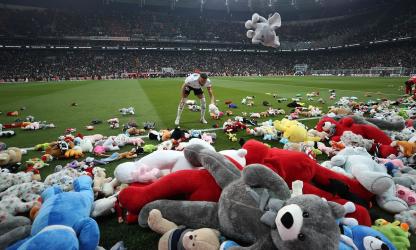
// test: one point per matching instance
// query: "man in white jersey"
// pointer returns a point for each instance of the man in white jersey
(195, 82)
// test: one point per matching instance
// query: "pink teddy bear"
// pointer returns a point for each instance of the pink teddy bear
(406, 194)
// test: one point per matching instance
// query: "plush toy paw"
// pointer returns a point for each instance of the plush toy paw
(143, 175)
(158, 224)
(409, 196)
(380, 185)
(392, 204)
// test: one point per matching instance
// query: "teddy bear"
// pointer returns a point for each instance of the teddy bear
(408, 217)
(255, 208)
(351, 139)
(359, 164)
(29, 191)
(151, 166)
(335, 129)
(63, 178)
(194, 184)
(14, 205)
(8, 179)
(64, 222)
(127, 111)
(10, 156)
(99, 179)
(188, 239)
(318, 180)
(396, 232)
(12, 229)
(262, 30)
(406, 148)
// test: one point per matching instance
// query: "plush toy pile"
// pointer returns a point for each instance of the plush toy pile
(253, 197)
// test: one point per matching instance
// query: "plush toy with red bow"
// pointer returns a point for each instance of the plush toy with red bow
(335, 129)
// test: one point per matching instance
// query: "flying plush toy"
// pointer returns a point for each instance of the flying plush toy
(64, 222)
(262, 30)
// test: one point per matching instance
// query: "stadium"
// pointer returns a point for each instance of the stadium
(208, 124)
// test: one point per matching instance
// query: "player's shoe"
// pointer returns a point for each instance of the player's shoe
(202, 120)
(177, 121)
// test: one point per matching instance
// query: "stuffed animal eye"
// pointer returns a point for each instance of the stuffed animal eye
(305, 214)
(301, 237)
(378, 237)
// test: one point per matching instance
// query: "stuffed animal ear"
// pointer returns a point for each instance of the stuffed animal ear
(249, 24)
(275, 21)
(337, 210)
(250, 33)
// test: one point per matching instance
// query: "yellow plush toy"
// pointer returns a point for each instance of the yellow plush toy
(200, 239)
(298, 133)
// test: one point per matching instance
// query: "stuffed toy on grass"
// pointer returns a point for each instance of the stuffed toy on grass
(194, 184)
(181, 237)
(262, 30)
(150, 167)
(318, 180)
(335, 129)
(255, 208)
(63, 221)
(8, 179)
(29, 191)
(10, 156)
(359, 164)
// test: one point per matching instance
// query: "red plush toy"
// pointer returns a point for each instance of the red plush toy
(193, 185)
(292, 166)
(337, 128)
(199, 185)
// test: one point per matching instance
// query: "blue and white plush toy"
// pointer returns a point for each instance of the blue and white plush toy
(63, 221)
(363, 238)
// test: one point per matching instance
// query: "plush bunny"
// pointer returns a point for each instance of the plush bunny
(262, 30)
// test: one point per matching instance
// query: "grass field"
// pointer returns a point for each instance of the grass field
(157, 100)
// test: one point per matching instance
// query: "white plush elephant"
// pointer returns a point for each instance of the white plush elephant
(357, 163)
(262, 30)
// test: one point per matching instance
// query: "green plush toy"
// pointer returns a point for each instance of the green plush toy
(149, 148)
(41, 147)
(396, 232)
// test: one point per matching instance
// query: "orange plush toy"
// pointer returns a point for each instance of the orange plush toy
(407, 148)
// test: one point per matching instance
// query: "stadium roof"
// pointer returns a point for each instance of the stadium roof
(252, 5)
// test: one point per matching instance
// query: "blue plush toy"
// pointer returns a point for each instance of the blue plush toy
(363, 238)
(64, 222)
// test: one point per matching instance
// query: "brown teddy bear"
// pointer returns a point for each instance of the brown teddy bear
(201, 239)
(10, 156)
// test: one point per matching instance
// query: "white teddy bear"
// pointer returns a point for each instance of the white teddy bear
(262, 30)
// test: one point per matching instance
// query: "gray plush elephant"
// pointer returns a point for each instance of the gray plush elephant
(255, 208)
(262, 30)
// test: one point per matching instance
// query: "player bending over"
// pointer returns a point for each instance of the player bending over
(194, 83)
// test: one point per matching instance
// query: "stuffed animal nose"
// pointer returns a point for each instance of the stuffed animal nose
(287, 220)
(384, 247)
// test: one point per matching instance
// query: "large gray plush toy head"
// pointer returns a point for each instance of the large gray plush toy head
(254, 209)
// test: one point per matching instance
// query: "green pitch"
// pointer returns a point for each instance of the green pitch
(157, 100)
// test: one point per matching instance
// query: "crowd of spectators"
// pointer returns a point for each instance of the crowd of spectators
(388, 22)
(64, 64)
